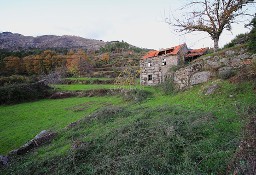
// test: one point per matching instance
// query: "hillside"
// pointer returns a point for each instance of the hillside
(108, 61)
(96, 128)
(17, 42)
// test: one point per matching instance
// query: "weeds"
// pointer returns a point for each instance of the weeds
(187, 133)
(170, 140)
(135, 95)
(168, 87)
(245, 157)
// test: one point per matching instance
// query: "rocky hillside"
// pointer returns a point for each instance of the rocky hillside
(16, 42)
(235, 63)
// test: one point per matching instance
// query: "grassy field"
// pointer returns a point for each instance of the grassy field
(182, 133)
(21, 122)
(84, 87)
(88, 78)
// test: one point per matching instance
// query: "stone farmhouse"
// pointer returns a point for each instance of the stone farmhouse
(155, 65)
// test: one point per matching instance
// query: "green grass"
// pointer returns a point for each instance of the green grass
(21, 122)
(88, 78)
(84, 87)
(182, 133)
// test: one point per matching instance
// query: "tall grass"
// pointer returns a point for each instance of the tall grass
(20, 123)
(183, 133)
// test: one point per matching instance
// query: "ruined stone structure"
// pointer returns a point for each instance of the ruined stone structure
(219, 65)
(155, 65)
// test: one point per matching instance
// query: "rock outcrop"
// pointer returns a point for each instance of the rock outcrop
(220, 65)
(3, 160)
(40, 139)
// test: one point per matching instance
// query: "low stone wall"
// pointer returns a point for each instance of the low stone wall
(223, 65)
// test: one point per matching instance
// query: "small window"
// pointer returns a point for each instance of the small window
(164, 62)
(150, 77)
(149, 64)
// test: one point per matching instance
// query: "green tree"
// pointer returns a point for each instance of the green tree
(252, 35)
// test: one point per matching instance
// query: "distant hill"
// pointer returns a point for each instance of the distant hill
(17, 42)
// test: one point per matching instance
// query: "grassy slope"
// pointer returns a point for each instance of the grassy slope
(187, 133)
(21, 122)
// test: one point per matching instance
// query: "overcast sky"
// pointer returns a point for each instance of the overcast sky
(139, 22)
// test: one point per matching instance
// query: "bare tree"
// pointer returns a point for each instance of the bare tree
(211, 16)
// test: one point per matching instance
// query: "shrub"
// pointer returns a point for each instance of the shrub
(23, 92)
(135, 95)
(239, 39)
(168, 86)
(252, 36)
(225, 73)
(14, 79)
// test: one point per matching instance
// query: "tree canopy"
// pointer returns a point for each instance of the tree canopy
(211, 16)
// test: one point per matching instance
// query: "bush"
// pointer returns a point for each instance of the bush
(252, 36)
(225, 73)
(23, 92)
(135, 95)
(14, 79)
(168, 87)
(239, 39)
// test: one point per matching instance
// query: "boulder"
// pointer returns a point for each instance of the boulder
(211, 89)
(229, 52)
(224, 61)
(3, 160)
(213, 64)
(236, 62)
(181, 77)
(200, 77)
(61, 95)
(225, 72)
(40, 139)
(243, 56)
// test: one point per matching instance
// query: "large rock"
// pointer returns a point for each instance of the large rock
(211, 89)
(213, 64)
(182, 76)
(224, 61)
(225, 72)
(3, 160)
(61, 95)
(243, 56)
(230, 52)
(236, 62)
(40, 139)
(200, 77)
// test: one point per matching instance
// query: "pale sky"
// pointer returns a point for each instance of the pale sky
(138, 22)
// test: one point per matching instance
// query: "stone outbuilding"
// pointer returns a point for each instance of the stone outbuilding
(155, 65)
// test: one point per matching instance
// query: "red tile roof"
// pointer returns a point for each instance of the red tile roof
(151, 54)
(176, 49)
(173, 51)
(196, 52)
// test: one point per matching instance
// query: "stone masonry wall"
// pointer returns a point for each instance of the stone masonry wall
(153, 69)
(207, 67)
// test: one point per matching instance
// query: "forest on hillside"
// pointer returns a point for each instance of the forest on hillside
(75, 62)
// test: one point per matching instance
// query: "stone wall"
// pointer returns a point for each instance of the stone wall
(153, 66)
(150, 66)
(222, 65)
(171, 60)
